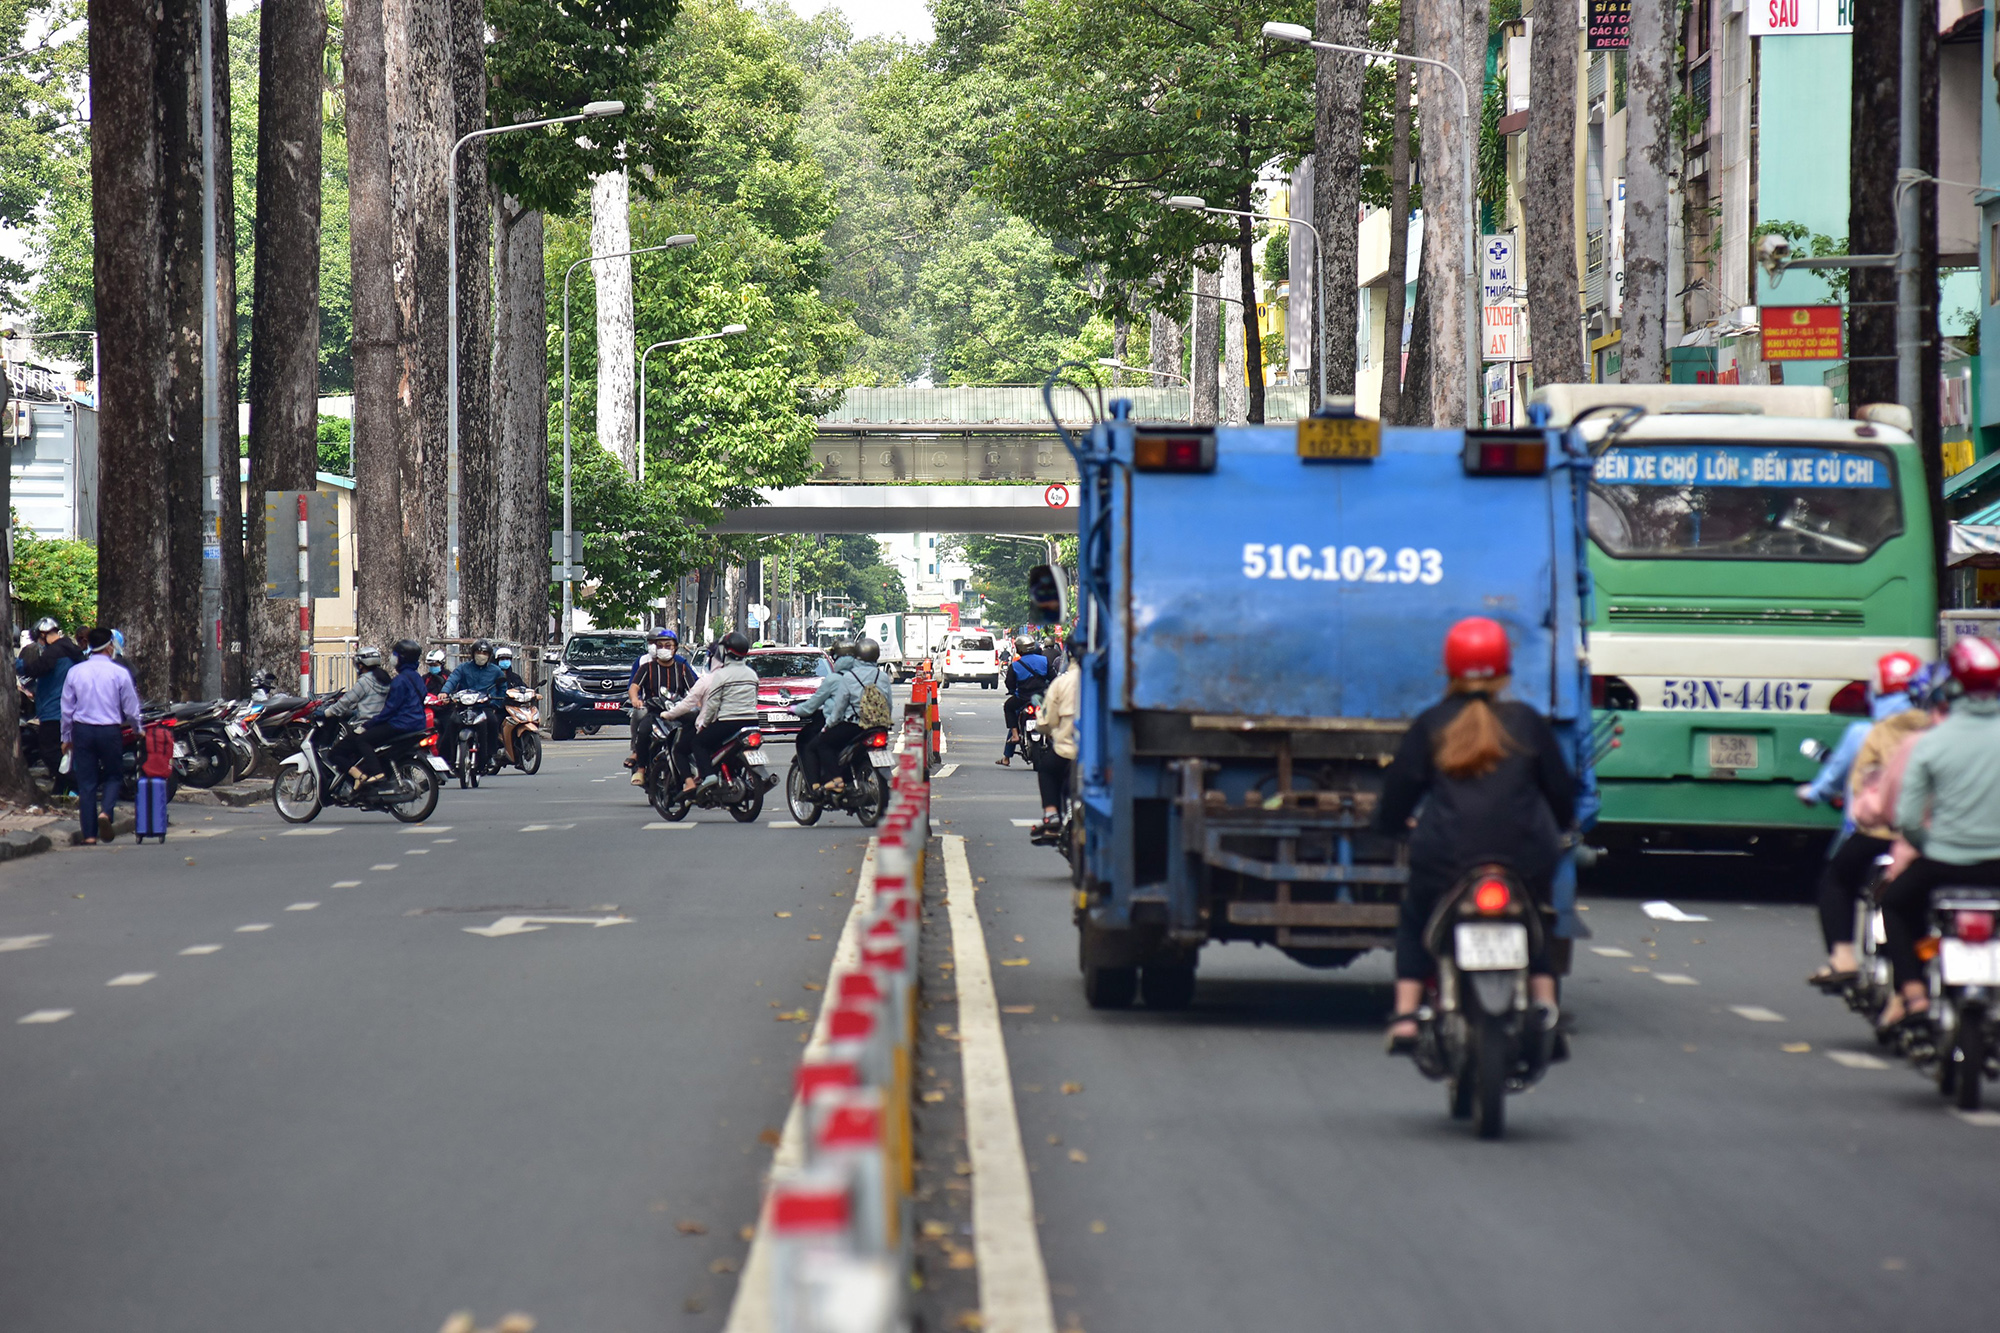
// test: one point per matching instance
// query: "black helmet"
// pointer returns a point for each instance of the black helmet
(482, 646)
(407, 652)
(736, 644)
(868, 650)
(845, 649)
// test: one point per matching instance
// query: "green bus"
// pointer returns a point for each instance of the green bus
(1753, 556)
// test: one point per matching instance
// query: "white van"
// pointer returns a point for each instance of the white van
(969, 655)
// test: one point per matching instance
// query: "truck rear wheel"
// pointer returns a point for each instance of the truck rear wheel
(1168, 984)
(1110, 987)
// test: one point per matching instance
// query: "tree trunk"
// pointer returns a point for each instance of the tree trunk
(379, 529)
(1163, 347)
(1649, 103)
(1336, 202)
(1253, 342)
(1416, 400)
(1399, 229)
(1235, 380)
(479, 536)
(180, 33)
(1455, 33)
(284, 318)
(1121, 342)
(617, 356)
(1555, 298)
(1871, 217)
(1205, 316)
(520, 433)
(234, 631)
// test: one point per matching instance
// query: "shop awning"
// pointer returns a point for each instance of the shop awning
(1975, 545)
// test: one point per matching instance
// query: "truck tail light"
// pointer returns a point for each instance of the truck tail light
(1506, 454)
(1174, 450)
(1851, 700)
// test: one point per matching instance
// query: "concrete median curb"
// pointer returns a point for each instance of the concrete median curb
(234, 795)
(17, 843)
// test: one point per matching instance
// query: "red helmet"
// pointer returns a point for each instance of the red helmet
(1894, 671)
(1975, 665)
(1476, 649)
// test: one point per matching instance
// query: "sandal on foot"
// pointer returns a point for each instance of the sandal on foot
(1829, 980)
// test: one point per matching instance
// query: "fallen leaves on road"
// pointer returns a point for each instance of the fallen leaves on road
(961, 1168)
(1055, 1140)
(1017, 1008)
(961, 1258)
(1796, 1047)
(694, 1305)
(815, 937)
(722, 1265)
(934, 1228)
(768, 1137)
(1071, 1089)
(792, 1016)
(687, 1226)
(781, 914)
(934, 1096)
(1078, 1155)
(1020, 939)
(1098, 1228)
(944, 1030)
(747, 1233)
(970, 1320)
(1013, 962)
(813, 985)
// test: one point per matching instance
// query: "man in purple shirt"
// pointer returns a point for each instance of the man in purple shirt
(98, 698)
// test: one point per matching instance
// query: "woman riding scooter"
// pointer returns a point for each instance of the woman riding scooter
(1485, 780)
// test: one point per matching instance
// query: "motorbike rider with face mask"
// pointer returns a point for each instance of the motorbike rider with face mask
(837, 704)
(510, 679)
(363, 700)
(434, 674)
(661, 671)
(723, 703)
(481, 675)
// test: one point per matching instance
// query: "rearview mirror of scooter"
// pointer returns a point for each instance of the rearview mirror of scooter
(1049, 593)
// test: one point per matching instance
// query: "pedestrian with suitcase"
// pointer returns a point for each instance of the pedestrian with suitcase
(98, 699)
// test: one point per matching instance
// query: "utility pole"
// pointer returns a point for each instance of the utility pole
(211, 381)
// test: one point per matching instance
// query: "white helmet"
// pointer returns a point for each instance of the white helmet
(435, 657)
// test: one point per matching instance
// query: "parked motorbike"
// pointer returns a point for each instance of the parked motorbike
(1480, 1033)
(863, 767)
(285, 722)
(524, 715)
(1962, 961)
(307, 783)
(741, 765)
(469, 757)
(203, 755)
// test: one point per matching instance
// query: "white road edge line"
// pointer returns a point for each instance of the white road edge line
(944, 772)
(751, 1312)
(1013, 1283)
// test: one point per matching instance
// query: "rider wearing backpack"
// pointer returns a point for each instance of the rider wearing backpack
(854, 699)
(1027, 676)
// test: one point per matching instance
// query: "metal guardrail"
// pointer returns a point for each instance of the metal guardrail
(1003, 404)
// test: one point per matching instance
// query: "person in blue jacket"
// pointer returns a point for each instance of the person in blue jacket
(1027, 676)
(402, 710)
(483, 676)
(45, 663)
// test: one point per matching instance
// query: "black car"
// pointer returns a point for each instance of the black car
(588, 691)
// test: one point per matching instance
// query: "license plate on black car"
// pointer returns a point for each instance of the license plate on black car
(609, 708)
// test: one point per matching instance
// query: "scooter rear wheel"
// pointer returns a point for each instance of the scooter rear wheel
(804, 808)
(746, 810)
(417, 775)
(1489, 1106)
(1970, 1048)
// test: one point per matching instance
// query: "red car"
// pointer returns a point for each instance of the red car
(786, 676)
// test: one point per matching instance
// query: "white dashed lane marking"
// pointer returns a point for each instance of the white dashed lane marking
(1025, 823)
(132, 979)
(253, 928)
(1857, 1060)
(347, 884)
(1756, 1013)
(1611, 953)
(944, 772)
(11, 943)
(307, 832)
(45, 1016)
(1983, 1119)
(388, 865)
(1675, 979)
(301, 907)
(197, 950)
(657, 825)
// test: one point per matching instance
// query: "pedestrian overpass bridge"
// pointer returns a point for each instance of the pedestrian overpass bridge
(980, 458)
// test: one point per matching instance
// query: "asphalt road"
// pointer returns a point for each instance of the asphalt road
(1257, 1163)
(354, 1115)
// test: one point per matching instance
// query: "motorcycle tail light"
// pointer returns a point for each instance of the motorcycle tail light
(753, 740)
(1492, 896)
(879, 741)
(1851, 700)
(1975, 927)
(1927, 948)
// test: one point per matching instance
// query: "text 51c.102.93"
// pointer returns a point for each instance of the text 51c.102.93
(1346, 564)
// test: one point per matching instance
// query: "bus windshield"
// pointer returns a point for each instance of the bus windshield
(1689, 501)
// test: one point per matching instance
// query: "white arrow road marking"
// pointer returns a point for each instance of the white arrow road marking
(1857, 1060)
(131, 979)
(521, 925)
(11, 943)
(45, 1016)
(1756, 1013)
(1666, 911)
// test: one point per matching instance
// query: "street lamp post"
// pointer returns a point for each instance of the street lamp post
(671, 243)
(1295, 32)
(1191, 204)
(726, 331)
(591, 111)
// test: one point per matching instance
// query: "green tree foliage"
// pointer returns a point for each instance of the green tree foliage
(336, 445)
(1000, 567)
(1118, 105)
(723, 417)
(53, 577)
(1378, 111)
(45, 167)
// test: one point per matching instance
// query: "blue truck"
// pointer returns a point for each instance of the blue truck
(1264, 609)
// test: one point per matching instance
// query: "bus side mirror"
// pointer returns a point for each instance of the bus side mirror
(1049, 594)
